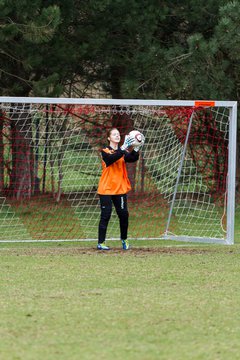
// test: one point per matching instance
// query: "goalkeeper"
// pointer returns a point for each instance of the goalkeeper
(114, 185)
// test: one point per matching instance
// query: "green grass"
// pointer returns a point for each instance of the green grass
(158, 301)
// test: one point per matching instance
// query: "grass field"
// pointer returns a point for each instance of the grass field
(157, 301)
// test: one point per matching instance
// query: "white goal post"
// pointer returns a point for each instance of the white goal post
(183, 186)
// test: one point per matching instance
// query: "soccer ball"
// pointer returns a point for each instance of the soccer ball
(138, 137)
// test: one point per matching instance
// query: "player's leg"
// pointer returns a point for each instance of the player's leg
(106, 211)
(120, 203)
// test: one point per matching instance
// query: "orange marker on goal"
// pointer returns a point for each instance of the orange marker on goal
(204, 103)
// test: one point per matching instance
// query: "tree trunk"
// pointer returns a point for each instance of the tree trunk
(1, 155)
(116, 75)
(22, 165)
(46, 145)
(36, 180)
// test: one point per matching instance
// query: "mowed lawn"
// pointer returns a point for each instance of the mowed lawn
(160, 300)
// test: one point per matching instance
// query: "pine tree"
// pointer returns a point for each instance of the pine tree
(26, 25)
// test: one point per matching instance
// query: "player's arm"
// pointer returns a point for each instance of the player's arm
(131, 156)
(110, 158)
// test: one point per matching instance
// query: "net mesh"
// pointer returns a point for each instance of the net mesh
(51, 163)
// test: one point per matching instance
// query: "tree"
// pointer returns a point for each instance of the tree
(24, 27)
(132, 48)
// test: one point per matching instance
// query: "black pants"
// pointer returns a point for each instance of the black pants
(120, 204)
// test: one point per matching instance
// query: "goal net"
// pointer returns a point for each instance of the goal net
(183, 185)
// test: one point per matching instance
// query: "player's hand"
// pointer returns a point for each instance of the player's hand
(128, 141)
(138, 147)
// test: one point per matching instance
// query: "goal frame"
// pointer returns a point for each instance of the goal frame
(231, 182)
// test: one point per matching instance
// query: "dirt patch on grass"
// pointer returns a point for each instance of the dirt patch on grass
(62, 250)
(145, 251)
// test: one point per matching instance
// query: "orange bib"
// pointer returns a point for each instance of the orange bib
(114, 179)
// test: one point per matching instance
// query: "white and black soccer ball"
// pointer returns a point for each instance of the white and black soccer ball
(138, 138)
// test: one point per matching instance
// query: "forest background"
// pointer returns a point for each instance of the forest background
(120, 49)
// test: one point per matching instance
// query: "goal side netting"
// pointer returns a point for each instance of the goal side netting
(183, 186)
